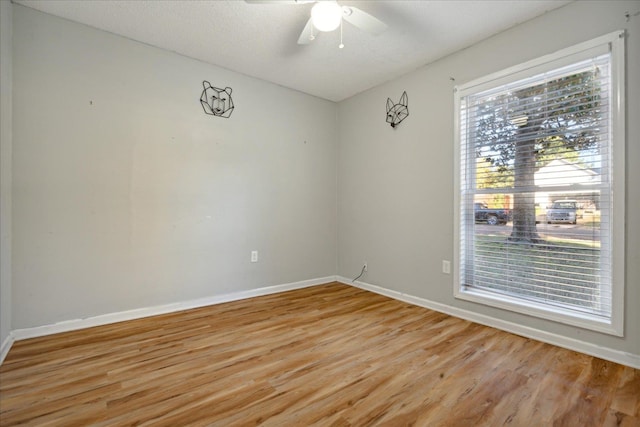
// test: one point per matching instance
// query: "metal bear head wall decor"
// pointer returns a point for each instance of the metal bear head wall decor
(397, 112)
(216, 101)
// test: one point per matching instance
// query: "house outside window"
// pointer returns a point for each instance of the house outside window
(540, 187)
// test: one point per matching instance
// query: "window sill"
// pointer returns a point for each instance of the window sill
(543, 311)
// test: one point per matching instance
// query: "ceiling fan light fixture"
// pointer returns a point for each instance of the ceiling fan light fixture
(326, 15)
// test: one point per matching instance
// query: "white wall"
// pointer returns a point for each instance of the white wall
(126, 195)
(396, 186)
(5, 169)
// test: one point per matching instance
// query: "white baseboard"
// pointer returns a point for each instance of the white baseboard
(628, 359)
(105, 319)
(6, 346)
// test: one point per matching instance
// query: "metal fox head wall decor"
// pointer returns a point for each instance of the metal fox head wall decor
(397, 112)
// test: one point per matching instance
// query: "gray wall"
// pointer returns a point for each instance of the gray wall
(126, 195)
(395, 202)
(5, 168)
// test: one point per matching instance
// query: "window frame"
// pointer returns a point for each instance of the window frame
(615, 44)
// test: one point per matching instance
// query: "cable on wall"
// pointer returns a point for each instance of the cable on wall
(364, 267)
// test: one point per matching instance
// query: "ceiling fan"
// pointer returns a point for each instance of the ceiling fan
(327, 15)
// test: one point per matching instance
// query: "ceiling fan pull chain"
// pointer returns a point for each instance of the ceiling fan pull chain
(341, 45)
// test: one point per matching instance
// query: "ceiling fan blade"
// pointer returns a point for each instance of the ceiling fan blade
(307, 36)
(363, 20)
(279, 1)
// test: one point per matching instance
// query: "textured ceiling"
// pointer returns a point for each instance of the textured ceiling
(260, 39)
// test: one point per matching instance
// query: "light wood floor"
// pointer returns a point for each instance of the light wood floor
(330, 355)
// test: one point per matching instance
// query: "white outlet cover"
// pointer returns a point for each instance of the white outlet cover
(446, 267)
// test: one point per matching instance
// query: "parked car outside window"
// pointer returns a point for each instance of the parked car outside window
(563, 211)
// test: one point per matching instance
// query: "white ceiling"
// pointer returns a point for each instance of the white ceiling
(260, 40)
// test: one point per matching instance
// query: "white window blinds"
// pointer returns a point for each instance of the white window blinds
(536, 198)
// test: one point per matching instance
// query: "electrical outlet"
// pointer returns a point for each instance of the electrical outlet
(254, 256)
(366, 267)
(446, 266)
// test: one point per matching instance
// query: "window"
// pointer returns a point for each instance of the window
(540, 187)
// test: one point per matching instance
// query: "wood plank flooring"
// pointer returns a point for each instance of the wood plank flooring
(330, 355)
